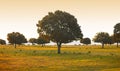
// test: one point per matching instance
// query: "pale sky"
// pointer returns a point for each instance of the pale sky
(93, 15)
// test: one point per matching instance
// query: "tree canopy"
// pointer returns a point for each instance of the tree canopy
(61, 27)
(102, 37)
(42, 41)
(117, 33)
(2, 42)
(85, 41)
(16, 38)
(111, 40)
(33, 40)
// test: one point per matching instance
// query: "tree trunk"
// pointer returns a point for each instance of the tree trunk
(42, 45)
(15, 45)
(59, 46)
(117, 44)
(102, 45)
(14, 41)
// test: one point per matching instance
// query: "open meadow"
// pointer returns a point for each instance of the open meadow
(72, 58)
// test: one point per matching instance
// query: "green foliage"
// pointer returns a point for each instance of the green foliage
(33, 40)
(117, 33)
(16, 38)
(2, 42)
(42, 41)
(85, 41)
(111, 39)
(117, 28)
(103, 38)
(60, 26)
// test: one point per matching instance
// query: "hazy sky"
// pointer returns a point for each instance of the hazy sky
(93, 15)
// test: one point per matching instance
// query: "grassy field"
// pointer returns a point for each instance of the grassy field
(72, 58)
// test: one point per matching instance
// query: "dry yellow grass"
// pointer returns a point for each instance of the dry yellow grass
(73, 58)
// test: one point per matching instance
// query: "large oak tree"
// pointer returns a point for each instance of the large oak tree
(61, 27)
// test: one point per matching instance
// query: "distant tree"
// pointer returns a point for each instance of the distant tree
(43, 39)
(85, 41)
(111, 40)
(117, 33)
(2, 42)
(102, 37)
(61, 27)
(16, 38)
(33, 40)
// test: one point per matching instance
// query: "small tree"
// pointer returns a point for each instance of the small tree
(85, 41)
(111, 40)
(61, 27)
(102, 37)
(43, 39)
(2, 42)
(117, 33)
(33, 40)
(16, 38)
